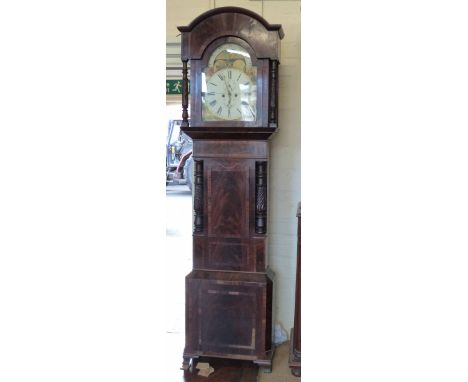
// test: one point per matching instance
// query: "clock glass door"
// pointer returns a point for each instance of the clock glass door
(229, 85)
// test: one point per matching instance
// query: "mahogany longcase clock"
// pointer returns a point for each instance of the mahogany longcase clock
(234, 58)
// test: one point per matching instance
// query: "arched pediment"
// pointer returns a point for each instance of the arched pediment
(231, 21)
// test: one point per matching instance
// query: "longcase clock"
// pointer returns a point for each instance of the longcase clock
(234, 57)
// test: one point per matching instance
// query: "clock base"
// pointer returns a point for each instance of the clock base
(265, 363)
(229, 315)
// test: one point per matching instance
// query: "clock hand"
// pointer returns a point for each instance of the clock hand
(229, 93)
(227, 86)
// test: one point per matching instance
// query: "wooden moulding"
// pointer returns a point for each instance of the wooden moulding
(231, 149)
(236, 133)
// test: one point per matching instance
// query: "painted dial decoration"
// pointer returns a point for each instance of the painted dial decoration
(229, 86)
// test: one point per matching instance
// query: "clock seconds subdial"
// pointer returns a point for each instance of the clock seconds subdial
(231, 95)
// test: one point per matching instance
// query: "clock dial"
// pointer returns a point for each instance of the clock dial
(229, 88)
(230, 95)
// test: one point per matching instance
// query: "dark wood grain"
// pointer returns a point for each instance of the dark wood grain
(228, 254)
(225, 132)
(229, 293)
(231, 149)
(230, 241)
(230, 21)
(228, 315)
(228, 190)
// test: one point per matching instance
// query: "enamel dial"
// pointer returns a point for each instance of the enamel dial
(229, 88)
(231, 95)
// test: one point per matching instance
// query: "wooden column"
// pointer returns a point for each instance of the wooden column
(185, 92)
(198, 196)
(260, 197)
(273, 109)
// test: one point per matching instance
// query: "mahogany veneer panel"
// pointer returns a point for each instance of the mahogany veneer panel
(247, 255)
(228, 314)
(229, 254)
(228, 207)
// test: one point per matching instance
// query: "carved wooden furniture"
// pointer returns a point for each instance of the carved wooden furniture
(295, 344)
(234, 58)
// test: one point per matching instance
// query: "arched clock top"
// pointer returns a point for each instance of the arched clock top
(231, 21)
(247, 12)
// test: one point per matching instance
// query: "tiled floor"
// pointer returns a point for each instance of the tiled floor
(179, 237)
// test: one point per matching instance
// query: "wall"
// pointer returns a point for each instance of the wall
(285, 167)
